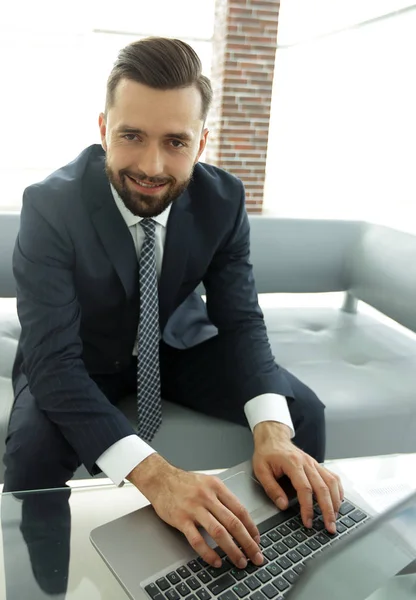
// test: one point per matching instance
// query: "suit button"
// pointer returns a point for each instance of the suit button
(117, 365)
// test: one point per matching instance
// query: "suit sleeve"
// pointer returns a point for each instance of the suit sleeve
(49, 314)
(232, 306)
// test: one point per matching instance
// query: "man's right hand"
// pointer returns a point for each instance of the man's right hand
(187, 500)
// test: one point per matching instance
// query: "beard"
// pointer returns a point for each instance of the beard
(146, 205)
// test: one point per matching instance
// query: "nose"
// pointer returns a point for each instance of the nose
(151, 161)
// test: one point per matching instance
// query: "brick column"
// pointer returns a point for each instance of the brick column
(244, 48)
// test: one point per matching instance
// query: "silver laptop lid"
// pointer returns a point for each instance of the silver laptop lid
(364, 561)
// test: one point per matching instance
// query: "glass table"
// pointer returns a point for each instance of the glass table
(45, 550)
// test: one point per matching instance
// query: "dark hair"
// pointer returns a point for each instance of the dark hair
(160, 63)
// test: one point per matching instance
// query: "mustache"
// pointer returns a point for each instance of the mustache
(144, 177)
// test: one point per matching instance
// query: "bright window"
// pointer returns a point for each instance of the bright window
(343, 124)
(54, 64)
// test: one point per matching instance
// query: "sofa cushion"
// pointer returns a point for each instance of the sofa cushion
(301, 255)
(9, 335)
(362, 369)
(193, 441)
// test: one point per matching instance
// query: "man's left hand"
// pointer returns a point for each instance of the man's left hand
(275, 455)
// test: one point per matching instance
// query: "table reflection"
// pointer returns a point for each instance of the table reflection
(36, 525)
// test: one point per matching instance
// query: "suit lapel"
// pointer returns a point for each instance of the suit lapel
(175, 255)
(110, 226)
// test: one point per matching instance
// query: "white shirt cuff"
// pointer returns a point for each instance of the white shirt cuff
(268, 407)
(121, 458)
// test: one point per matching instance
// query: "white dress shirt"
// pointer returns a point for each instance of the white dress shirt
(121, 458)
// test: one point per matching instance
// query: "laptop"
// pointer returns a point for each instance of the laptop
(153, 561)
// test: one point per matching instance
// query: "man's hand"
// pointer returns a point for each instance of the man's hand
(186, 500)
(275, 455)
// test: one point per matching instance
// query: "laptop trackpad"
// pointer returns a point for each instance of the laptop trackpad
(248, 490)
(251, 495)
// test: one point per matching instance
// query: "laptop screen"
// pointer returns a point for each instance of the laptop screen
(363, 561)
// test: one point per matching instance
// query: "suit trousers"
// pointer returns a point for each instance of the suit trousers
(39, 457)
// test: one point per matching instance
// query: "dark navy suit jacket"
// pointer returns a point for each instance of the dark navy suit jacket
(76, 271)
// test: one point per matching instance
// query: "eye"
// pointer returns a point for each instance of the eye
(177, 144)
(129, 137)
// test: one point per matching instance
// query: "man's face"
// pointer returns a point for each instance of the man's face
(152, 139)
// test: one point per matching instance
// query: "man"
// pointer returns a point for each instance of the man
(110, 250)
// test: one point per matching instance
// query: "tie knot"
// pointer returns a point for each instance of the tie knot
(149, 226)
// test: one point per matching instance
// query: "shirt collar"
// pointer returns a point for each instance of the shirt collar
(132, 219)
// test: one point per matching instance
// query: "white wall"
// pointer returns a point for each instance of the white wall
(343, 123)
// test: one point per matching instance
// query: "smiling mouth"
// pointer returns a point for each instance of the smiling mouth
(146, 186)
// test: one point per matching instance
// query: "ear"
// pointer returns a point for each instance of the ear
(102, 124)
(202, 143)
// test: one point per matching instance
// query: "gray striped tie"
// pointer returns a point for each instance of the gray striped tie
(149, 408)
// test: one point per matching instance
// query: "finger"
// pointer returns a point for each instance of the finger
(341, 489)
(323, 496)
(334, 484)
(230, 501)
(239, 533)
(200, 546)
(222, 538)
(273, 489)
(303, 487)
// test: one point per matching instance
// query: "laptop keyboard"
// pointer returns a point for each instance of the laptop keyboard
(286, 545)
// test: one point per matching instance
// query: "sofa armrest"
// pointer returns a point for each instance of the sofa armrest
(383, 273)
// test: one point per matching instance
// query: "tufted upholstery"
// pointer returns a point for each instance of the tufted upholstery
(361, 367)
(363, 370)
(9, 335)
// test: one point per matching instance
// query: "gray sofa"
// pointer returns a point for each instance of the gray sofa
(362, 368)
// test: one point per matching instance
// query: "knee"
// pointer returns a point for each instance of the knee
(37, 457)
